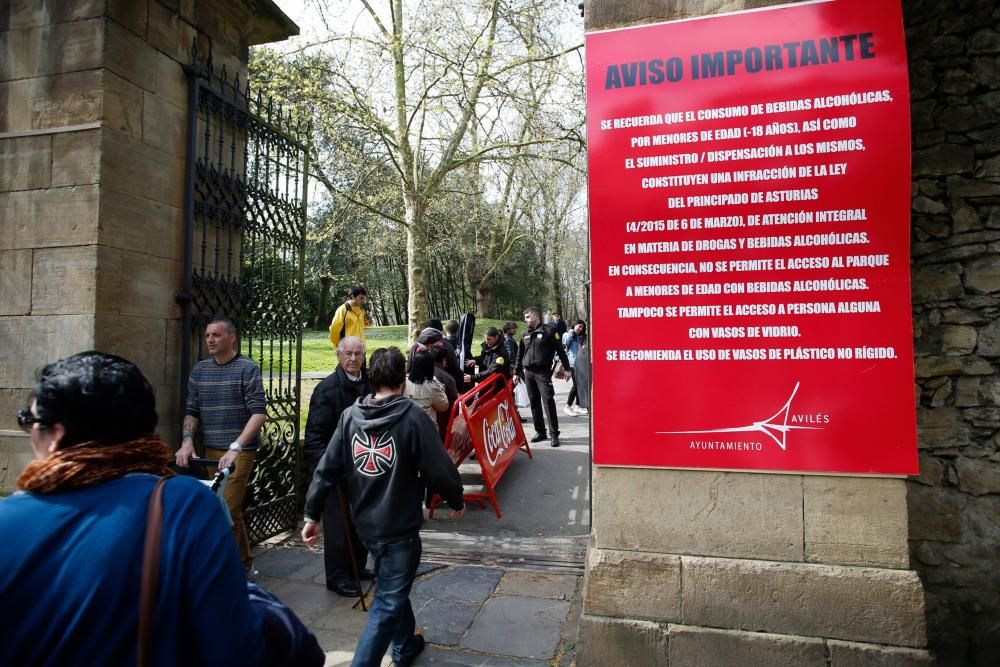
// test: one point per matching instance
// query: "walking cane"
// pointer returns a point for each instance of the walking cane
(350, 548)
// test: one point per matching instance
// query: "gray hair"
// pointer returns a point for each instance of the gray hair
(340, 345)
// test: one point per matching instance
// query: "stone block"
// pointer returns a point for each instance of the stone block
(691, 647)
(978, 476)
(29, 342)
(611, 641)
(122, 106)
(15, 282)
(852, 654)
(733, 515)
(142, 170)
(64, 281)
(15, 453)
(25, 163)
(30, 13)
(536, 622)
(853, 603)
(165, 234)
(855, 521)
(76, 158)
(130, 14)
(29, 53)
(171, 81)
(989, 340)
(13, 399)
(937, 283)
(633, 584)
(138, 339)
(148, 285)
(130, 56)
(66, 99)
(942, 428)
(15, 105)
(47, 218)
(982, 276)
(935, 513)
(164, 125)
(975, 391)
(168, 32)
(172, 353)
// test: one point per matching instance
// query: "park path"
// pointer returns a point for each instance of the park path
(490, 592)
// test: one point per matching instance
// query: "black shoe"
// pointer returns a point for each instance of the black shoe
(539, 437)
(555, 441)
(345, 589)
(418, 647)
(367, 575)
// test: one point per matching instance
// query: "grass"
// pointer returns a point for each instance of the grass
(318, 354)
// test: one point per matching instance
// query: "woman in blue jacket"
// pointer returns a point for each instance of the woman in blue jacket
(573, 340)
(70, 571)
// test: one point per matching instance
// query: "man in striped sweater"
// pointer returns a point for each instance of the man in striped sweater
(226, 398)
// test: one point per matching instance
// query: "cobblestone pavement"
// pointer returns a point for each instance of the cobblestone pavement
(490, 592)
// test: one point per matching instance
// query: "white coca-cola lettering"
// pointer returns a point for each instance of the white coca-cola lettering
(498, 435)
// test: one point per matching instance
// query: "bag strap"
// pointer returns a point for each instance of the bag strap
(150, 570)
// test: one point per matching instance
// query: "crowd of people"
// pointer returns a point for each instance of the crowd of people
(114, 564)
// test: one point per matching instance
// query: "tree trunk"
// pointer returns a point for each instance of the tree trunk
(484, 298)
(557, 298)
(416, 260)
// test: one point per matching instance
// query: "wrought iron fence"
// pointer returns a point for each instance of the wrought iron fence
(246, 179)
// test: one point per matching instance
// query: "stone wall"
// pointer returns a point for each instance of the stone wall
(93, 102)
(954, 53)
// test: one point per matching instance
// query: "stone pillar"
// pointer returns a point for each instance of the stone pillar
(716, 568)
(93, 102)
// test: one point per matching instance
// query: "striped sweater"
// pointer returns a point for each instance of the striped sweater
(223, 396)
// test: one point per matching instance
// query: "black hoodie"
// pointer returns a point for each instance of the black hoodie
(385, 452)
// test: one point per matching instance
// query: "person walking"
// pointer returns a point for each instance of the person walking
(350, 318)
(342, 548)
(539, 345)
(385, 451)
(574, 340)
(226, 398)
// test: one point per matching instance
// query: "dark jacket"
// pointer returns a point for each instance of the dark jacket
(432, 338)
(492, 360)
(332, 396)
(511, 345)
(384, 452)
(537, 349)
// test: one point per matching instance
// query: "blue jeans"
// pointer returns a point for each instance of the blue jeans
(390, 618)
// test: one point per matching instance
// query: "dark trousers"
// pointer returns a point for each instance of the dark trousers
(540, 393)
(336, 553)
(572, 392)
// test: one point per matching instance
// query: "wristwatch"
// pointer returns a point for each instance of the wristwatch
(235, 446)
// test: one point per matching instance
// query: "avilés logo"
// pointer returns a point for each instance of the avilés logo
(775, 427)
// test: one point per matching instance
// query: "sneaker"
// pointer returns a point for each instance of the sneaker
(577, 410)
(570, 410)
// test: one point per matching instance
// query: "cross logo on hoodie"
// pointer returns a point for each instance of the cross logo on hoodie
(373, 454)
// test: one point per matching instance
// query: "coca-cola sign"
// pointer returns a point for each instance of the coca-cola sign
(499, 433)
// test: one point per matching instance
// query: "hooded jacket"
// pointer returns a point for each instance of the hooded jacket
(433, 338)
(384, 452)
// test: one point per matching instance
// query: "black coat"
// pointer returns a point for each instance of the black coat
(492, 360)
(332, 396)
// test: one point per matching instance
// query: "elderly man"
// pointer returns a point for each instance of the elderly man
(226, 397)
(342, 548)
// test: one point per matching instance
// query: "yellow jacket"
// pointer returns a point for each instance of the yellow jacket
(350, 319)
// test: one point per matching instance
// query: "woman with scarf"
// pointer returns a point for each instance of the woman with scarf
(71, 572)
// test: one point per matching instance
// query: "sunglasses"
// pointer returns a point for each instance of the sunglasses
(26, 420)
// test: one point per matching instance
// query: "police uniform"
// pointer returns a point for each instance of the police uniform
(534, 364)
(492, 360)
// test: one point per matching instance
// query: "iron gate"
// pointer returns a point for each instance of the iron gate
(246, 185)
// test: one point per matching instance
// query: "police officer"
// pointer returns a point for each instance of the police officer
(491, 360)
(539, 344)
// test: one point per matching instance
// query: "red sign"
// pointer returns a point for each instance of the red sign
(485, 419)
(749, 215)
